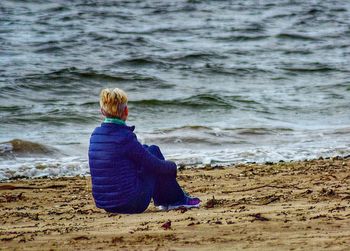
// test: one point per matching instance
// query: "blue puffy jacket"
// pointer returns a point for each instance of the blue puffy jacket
(117, 161)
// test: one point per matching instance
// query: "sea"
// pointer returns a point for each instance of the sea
(210, 82)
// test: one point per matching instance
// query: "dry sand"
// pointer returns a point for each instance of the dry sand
(285, 206)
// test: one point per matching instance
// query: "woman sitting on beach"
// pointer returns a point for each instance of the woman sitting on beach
(125, 174)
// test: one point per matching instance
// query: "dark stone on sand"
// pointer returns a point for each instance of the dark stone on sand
(337, 158)
(167, 225)
(258, 217)
(181, 167)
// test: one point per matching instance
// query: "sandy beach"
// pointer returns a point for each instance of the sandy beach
(282, 206)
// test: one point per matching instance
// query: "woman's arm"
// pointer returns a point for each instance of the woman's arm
(151, 163)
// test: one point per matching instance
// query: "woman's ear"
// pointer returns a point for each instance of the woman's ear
(126, 111)
(103, 112)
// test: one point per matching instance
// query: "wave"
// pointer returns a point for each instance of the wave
(251, 28)
(187, 139)
(91, 74)
(338, 9)
(140, 61)
(297, 51)
(334, 86)
(186, 127)
(153, 31)
(281, 15)
(294, 36)
(262, 131)
(219, 131)
(194, 56)
(205, 136)
(60, 8)
(310, 69)
(99, 37)
(49, 49)
(57, 117)
(169, 60)
(11, 108)
(193, 138)
(209, 136)
(197, 101)
(23, 148)
(229, 70)
(241, 38)
(66, 75)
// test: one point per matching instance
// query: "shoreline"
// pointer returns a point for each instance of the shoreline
(300, 205)
(180, 167)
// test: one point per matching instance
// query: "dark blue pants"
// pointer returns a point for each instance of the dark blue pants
(162, 188)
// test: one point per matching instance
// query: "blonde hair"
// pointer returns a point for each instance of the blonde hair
(113, 102)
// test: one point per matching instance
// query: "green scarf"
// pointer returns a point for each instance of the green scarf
(114, 120)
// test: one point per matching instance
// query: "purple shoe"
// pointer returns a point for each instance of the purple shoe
(189, 202)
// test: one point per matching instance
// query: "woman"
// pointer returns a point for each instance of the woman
(125, 174)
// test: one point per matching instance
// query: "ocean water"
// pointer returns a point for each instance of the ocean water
(211, 82)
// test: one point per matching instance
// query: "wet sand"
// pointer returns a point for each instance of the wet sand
(284, 206)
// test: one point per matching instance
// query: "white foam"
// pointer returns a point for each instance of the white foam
(6, 147)
(72, 166)
(43, 167)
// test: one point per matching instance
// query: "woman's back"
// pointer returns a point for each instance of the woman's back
(114, 175)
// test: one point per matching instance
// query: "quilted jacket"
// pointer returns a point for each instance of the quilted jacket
(117, 161)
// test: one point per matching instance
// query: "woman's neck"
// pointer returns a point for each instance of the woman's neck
(114, 120)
